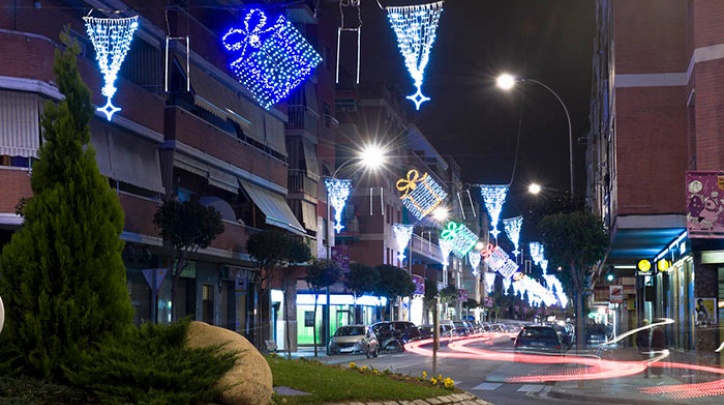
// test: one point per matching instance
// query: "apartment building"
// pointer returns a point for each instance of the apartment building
(656, 137)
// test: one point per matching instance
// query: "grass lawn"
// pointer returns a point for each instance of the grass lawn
(328, 383)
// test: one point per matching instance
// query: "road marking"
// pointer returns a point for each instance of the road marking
(530, 388)
(487, 386)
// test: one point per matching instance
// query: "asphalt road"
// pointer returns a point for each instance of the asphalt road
(483, 378)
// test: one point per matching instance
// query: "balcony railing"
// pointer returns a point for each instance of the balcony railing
(302, 117)
(299, 182)
(425, 247)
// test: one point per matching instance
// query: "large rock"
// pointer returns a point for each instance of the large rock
(250, 380)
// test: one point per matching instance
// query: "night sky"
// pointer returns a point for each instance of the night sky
(469, 117)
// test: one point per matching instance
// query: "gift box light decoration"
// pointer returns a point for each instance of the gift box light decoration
(403, 234)
(494, 197)
(421, 194)
(111, 38)
(338, 190)
(498, 260)
(512, 229)
(415, 28)
(461, 238)
(490, 282)
(474, 258)
(271, 59)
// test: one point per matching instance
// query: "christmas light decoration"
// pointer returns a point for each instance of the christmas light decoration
(512, 229)
(111, 38)
(403, 234)
(461, 237)
(490, 282)
(421, 193)
(338, 190)
(506, 285)
(445, 249)
(415, 28)
(271, 59)
(554, 285)
(499, 261)
(474, 258)
(534, 289)
(494, 197)
(536, 252)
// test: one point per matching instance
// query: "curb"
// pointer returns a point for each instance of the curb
(597, 399)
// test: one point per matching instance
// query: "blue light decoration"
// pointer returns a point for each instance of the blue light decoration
(494, 197)
(337, 191)
(512, 229)
(461, 238)
(421, 194)
(270, 59)
(403, 234)
(111, 38)
(490, 282)
(498, 260)
(415, 28)
(474, 258)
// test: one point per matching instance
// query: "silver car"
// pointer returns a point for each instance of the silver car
(354, 339)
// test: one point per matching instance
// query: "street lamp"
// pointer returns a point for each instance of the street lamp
(506, 82)
(534, 188)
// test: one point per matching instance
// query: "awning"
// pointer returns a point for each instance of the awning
(19, 124)
(637, 237)
(274, 206)
(310, 158)
(275, 135)
(309, 216)
(215, 177)
(223, 180)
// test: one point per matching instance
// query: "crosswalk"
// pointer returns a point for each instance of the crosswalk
(525, 388)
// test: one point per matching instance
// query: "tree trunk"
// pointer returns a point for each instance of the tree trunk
(580, 322)
(286, 319)
(314, 328)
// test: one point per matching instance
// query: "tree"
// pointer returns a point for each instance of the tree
(270, 249)
(575, 241)
(361, 279)
(321, 274)
(449, 294)
(430, 298)
(555, 202)
(394, 282)
(187, 227)
(62, 276)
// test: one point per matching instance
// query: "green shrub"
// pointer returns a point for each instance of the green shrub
(150, 365)
(25, 390)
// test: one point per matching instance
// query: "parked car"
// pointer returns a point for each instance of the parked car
(354, 339)
(539, 339)
(426, 331)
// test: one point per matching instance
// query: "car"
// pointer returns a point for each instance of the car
(403, 330)
(426, 331)
(354, 339)
(539, 339)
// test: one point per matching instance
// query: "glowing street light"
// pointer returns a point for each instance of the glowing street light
(534, 188)
(507, 81)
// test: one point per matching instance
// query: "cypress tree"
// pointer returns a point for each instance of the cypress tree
(61, 276)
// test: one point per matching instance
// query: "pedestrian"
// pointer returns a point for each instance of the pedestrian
(651, 342)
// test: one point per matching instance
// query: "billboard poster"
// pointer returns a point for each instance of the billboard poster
(419, 284)
(340, 254)
(705, 204)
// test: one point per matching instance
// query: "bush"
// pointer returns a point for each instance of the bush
(25, 390)
(150, 365)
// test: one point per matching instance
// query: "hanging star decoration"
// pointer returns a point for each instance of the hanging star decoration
(338, 190)
(421, 194)
(403, 234)
(415, 28)
(111, 38)
(494, 198)
(461, 237)
(271, 60)
(512, 229)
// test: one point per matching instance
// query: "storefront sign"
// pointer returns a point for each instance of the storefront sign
(615, 294)
(705, 204)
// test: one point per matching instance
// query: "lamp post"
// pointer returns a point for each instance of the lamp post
(370, 157)
(507, 82)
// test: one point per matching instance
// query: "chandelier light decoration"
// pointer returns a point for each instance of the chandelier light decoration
(271, 59)
(421, 194)
(445, 248)
(338, 190)
(494, 197)
(506, 285)
(403, 234)
(490, 282)
(554, 286)
(512, 229)
(415, 27)
(462, 238)
(534, 289)
(499, 261)
(474, 258)
(111, 38)
(536, 252)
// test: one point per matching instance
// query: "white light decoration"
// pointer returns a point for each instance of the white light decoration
(461, 237)
(403, 234)
(338, 190)
(512, 229)
(494, 197)
(421, 194)
(499, 261)
(490, 282)
(534, 289)
(474, 258)
(111, 38)
(536, 252)
(506, 285)
(415, 27)
(445, 249)
(555, 286)
(271, 60)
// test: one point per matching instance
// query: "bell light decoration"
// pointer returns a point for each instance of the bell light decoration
(421, 194)
(494, 198)
(270, 59)
(338, 191)
(403, 234)
(415, 27)
(490, 282)
(111, 38)
(461, 237)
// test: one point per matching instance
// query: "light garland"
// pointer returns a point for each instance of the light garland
(499, 261)
(494, 197)
(489, 282)
(111, 38)
(271, 59)
(415, 28)
(403, 234)
(461, 237)
(512, 229)
(421, 194)
(534, 289)
(554, 285)
(474, 258)
(536, 252)
(338, 190)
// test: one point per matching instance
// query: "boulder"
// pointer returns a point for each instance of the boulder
(249, 382)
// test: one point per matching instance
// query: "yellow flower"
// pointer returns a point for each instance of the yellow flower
(424, 375)
(449, 383)
(364, 368)
(375, 371)
(433, 381)
(352, 364)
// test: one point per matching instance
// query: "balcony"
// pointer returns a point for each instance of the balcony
(425, 247)
(300, 183)
(302, 117)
